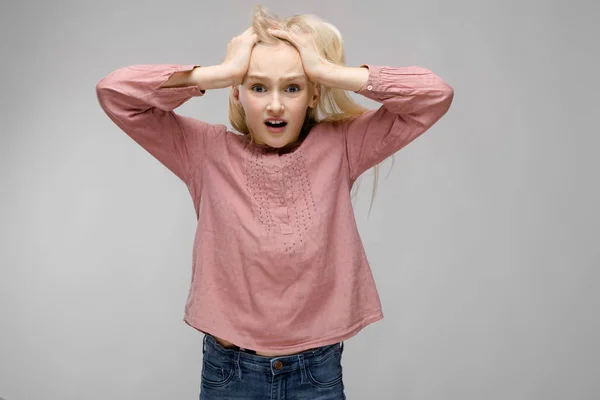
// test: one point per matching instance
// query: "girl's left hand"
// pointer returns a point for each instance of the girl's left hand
(311, 61)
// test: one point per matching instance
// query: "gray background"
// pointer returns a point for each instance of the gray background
(483, 238)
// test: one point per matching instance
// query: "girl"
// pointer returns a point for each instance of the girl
(280, 278)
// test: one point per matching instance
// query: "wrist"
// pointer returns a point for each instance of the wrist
(342, 77)
(212, 77)
(325, 73)
(227, 73)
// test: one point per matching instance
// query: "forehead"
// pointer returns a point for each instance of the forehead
(275, 61)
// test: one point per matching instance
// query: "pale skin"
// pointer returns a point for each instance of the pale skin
(233, 69)
(272, 81)
(275, 87)
(247, 58)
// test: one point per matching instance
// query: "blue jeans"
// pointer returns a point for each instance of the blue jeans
(236, 374)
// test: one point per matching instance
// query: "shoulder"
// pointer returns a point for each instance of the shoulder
(335, 128)
(326, 135)
(330, 127)
(217, 132)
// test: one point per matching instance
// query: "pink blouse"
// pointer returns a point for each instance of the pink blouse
(278, 263)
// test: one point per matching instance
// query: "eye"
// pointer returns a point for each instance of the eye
(257, 88)
(293, 88)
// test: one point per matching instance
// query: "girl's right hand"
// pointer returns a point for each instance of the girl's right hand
(239, 50)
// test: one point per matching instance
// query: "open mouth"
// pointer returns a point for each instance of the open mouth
(275, 123)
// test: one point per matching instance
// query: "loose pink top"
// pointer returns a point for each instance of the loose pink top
(278, 263)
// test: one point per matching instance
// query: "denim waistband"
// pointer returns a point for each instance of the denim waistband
(276, 364)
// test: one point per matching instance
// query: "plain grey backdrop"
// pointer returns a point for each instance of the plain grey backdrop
(483, 238)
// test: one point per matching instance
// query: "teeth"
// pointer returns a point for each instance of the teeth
(276, 123)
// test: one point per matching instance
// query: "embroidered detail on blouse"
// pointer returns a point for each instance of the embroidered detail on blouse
(282, 197)
(302, 209)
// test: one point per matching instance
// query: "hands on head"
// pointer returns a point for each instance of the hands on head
(239, 51)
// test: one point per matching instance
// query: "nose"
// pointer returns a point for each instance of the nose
(275, 105)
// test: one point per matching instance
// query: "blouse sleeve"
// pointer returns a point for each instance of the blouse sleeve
(413, 99)
(133, 99)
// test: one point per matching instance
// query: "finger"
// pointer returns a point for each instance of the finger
(278, 33)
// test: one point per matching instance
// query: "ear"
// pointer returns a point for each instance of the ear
(236, 94)
(315, 97)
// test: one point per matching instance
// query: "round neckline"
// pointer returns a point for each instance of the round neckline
(288, 148)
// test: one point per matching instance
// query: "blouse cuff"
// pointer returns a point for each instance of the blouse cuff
(372, 81)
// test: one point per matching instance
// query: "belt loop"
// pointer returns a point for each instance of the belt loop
(342, 347)
(302, 368)
(204, 345)
(236, 360)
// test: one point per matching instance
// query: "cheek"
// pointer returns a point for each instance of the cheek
(298, 109)
(250, 104)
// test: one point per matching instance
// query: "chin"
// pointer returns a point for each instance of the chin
(277, 141)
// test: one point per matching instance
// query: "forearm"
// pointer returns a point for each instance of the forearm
(212, 77)
(342, 77)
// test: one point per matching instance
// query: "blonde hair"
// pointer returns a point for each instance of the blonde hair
(333, 104)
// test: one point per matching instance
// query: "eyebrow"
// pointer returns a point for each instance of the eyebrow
(285, 78)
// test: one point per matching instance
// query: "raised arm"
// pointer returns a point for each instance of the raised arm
(213, 77)
(140, 99)
(414, 99)
(134, 98)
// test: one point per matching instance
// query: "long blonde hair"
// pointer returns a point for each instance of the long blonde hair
(333, 104)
